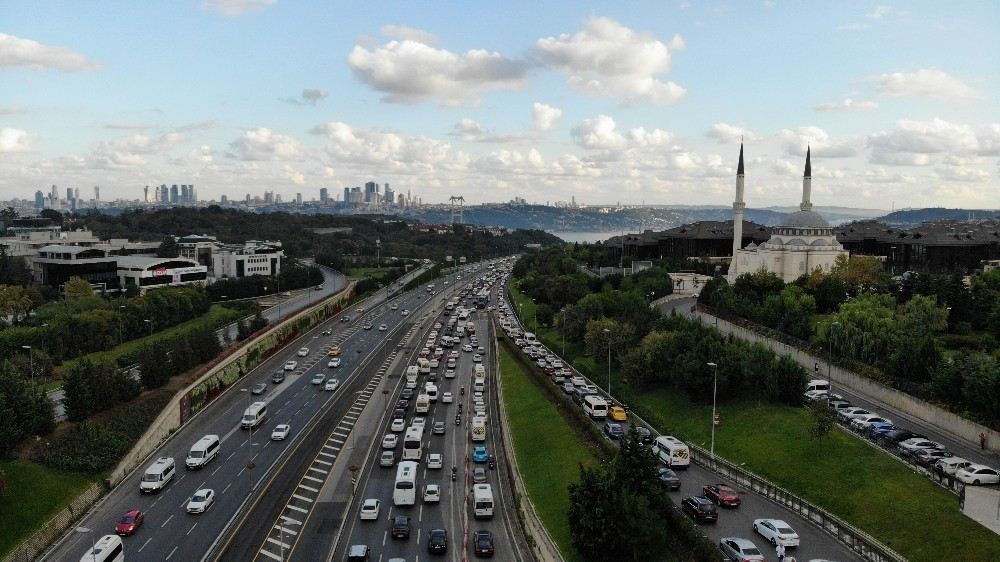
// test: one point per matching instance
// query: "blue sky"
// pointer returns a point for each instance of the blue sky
(636, 101)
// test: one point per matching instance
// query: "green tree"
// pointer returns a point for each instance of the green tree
(15, 302)
(544, 314)
(22, 412)
(168, 248)
(823, 419)
(78, 288)
(154, 364)
(604, 334)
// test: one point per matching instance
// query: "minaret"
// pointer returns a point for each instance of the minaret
(738, 207)
(807, 184)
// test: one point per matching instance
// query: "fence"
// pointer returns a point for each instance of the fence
(29, 549)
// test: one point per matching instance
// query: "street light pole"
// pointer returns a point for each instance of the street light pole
(121, 311)
(31, 365)
(715, 387)
(149, 323)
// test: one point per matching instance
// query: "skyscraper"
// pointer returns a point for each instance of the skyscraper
(97, 196)
(371, 192)
(298, 199)
(39, 200)
(324, 195)
(174, 194)
(388, 195)
(347, 195)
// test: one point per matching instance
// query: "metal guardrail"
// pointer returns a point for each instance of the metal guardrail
(860, 542)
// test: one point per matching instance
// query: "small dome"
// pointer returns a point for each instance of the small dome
(805, 219)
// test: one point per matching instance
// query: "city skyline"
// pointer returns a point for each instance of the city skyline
(640, 103)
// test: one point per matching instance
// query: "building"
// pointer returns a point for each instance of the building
(226, 261)
(298, 199)
(371, 192)
(148, 272)
(388, 195)
(39, 200)
(324, 195)
(55, 264)
(26, 239)
(803, 243)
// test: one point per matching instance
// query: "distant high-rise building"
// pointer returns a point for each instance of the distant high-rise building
(69, 194)
(347, 195)
(400, 200)
(277, 198)
(55, 192)
(39, 200)
(164, 196)
(371, 192)
(248, 199)
(194, 194)
(324, 195)
(298, 199)
(97, 196)
(388, 197)
(175, 195)
(224, 200)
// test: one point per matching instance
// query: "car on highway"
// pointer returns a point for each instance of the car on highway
(776, 532)
(398, 425)
(447, 398)
(466, 347)
(400, 527)
(435, 460)
(477, 358)
(568, 387)
(390, 441)
(129, 522)
(618, 414)
(394, 307)
(700, 508)
(370, 509)
(437, 541)
(432, 493)
(327, 332)
(304, 352)
(318, 379)
(479, 475)
(258, 388)
(405, 312)
(722, 495)
(367, 326)
(280, 432)
(740, 550)
(334, 351)
(333, 363)
(438, 428)
(614, 430)
(201, 501)
(479, 454)
(387, 459)
(483, 541)
(358, 553)
(419, 421)
(332, 384)
(449, 374)
(977, 474)
(382, 327)
(278, 377)
(669, 478)
(291, 365)
(345, 318)
(645, 435)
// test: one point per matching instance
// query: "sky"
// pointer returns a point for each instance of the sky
(631, 102)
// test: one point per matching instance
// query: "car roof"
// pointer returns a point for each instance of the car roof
(742, 543)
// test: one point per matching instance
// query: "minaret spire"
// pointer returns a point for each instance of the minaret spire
(809, 171)
(738, 207)
(739, 168)
(807, 183)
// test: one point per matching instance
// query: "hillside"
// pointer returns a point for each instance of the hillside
(913, 217)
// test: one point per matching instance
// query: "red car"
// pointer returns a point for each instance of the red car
(130, 522)
(722, 495)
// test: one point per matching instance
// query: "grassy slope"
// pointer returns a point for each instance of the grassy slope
(34, 494)
(839, 473)
(549, 454)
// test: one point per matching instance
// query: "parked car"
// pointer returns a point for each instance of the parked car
(898, 435)
(878, 430)
(861, 423)
(722, 495)
(740, 550)
(700, 508)
(928, 457)
(950, 465)
(977, 474)
(614, 430)
(129, 522)
(910, 446)
(776, 532)
(848, 414)
(669, 478)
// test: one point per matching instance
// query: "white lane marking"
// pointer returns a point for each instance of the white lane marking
(144, 544)
(171, 553)
(167, 521)
(269, 554)
(279, 543)
(191, 529)
(303, 498)
(227, 487)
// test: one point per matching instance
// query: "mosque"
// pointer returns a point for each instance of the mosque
(803, 242)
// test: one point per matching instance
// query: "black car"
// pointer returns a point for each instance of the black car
(401, 527)
(483, 540)
(700, 508)
(669, 478)
(398, 413)
(645, 435)
(258, 388)
(437, 541)
(403, 404)
(407, 393)
(278, 377)
(614, 430)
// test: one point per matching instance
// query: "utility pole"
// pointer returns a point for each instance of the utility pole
(715, 386)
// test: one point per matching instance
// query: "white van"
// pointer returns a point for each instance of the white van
(595, 406)
(432, 392)
(479, 429)
(254, 415)
(423, 404)
(479, 386)
(672, 451)
(203, 452)
(480, 371)
(817, 384)
(157, 476)
(108, 548)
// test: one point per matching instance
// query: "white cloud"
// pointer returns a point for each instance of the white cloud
(913, 142)
(469, 130)
(264, 144)
(879, 12)
(127, 126)
(236, 7)
(386, 150)
(823, 146)
(410, 72)
(309, 96)
(602, 133)
(848, 104)
(724, 133)
(606, 58)
(404, 32)
(15, 51)
(14, 140)
(10, 110)
(545, 116)
(927, 83)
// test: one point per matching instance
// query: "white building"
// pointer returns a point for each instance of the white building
(144, 272)
(803, 243)
(228, 261)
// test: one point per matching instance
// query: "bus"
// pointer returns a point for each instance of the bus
(405, 490)
(482, 501)
(108, 548)
(478, 429)
(672, 451)
(413, 443)
(424, 364)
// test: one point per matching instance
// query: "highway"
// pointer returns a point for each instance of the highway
(169, 533)
(815, 543)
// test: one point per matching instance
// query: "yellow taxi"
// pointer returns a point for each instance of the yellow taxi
(334, 351)
(618, 414)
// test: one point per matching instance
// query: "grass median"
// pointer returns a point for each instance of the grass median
(34, 494)
(549, 453)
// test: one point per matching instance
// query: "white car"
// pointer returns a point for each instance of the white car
(382, 327)
(578, 381)
(304, 352)
(863, 422)
(370, 509)
(394, 306)
(915, 444)
(291, 365)
(447, 398)
(481, 349)
(318, 378)
(405, 312)
(477, 358)
(977, 474)
(435, 460)
(387, 459)
(418, 421)
(776, 532)
(332, 384)
(435, 364)
(280, 432)
(334, 363)
(449, 374)
(201, 501)
(398, 425)
(411, 384)
(390, 441)
(466, 347)
(432, 493)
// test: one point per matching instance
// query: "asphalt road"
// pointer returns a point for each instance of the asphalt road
(815, 543)
(169, 532)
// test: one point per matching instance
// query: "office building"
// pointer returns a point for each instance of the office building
(371, 192)
(39, 200)
(324, 195)
(298, 199)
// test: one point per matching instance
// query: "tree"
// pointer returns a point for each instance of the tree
(15, 302)
(544, 314)
(14, 270)
(23, 412)
(168, 248)
(823, 419)
(599, 342)
(154, 365)
(77, 288)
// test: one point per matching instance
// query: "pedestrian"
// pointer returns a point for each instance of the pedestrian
(780, 551)
(982, 440)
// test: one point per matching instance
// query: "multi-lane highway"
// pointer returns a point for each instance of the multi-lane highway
(815, 543)
(169, 532)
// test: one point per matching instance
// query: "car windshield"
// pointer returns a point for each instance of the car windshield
(150, 477)
(751, 551)
(199, 497)
(126, 519)
(196, 454)
(785, 530)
